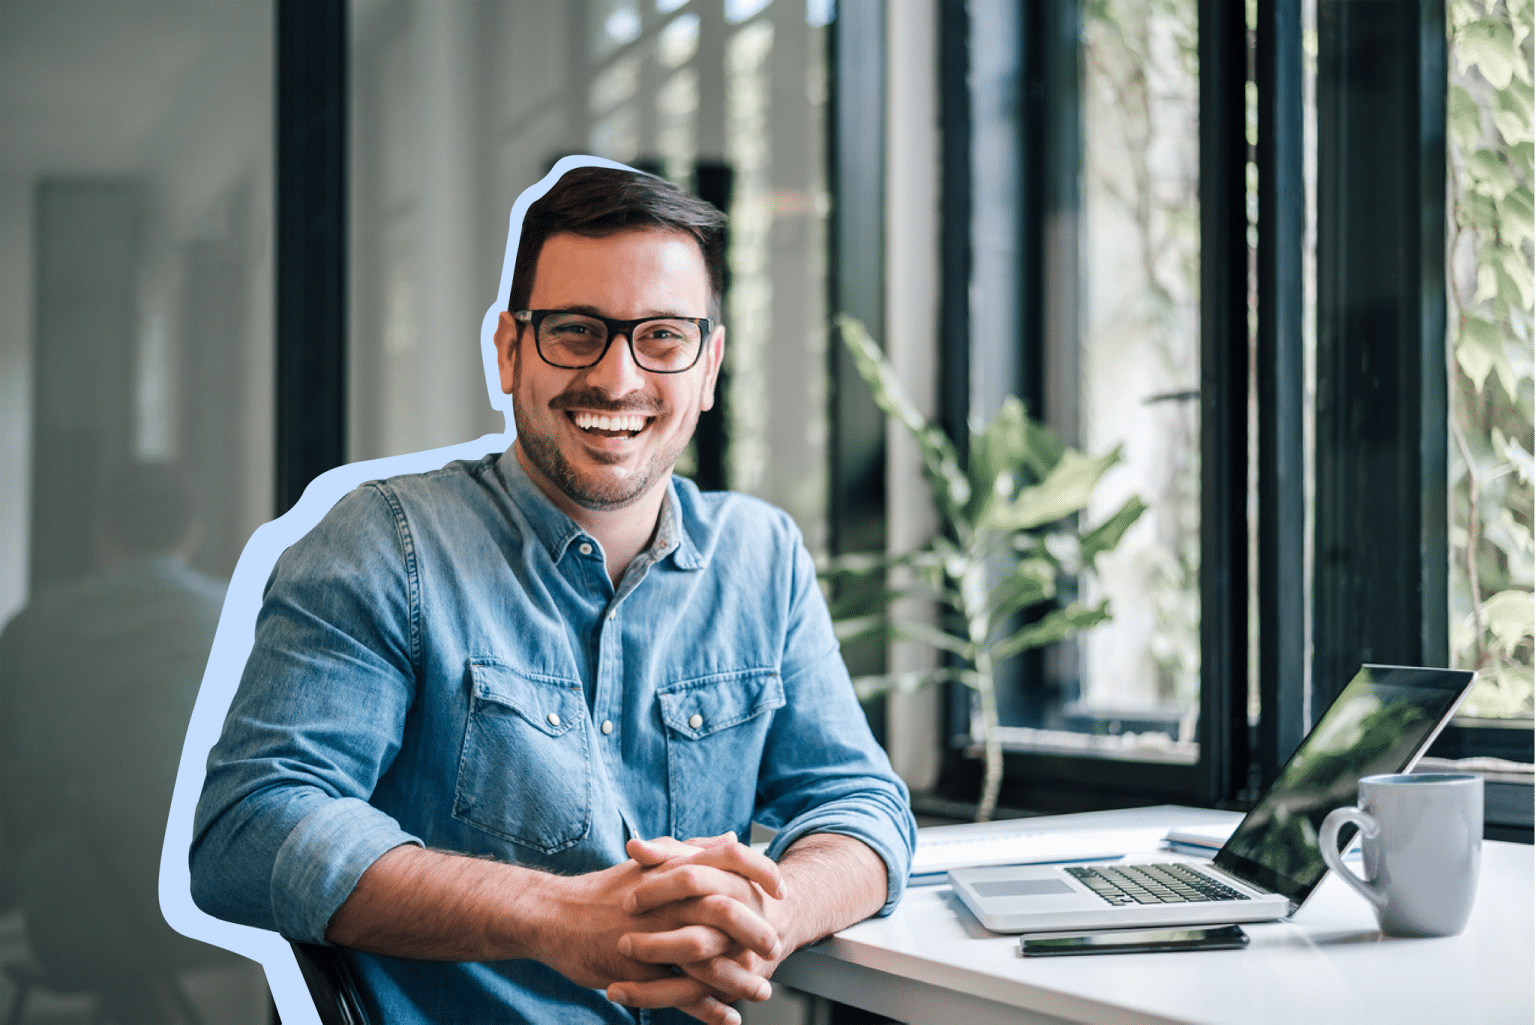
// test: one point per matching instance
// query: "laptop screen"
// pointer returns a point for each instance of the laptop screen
(1381, 722)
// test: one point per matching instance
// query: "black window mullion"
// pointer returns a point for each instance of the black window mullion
(954, 362)
(1223, 401)
(1281, 470)
(311, 244)
(1380, 564)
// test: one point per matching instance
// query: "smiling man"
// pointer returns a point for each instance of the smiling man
(503, 722)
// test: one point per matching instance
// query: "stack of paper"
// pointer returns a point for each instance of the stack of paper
(937, 854)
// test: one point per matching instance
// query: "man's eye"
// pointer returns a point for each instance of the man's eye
(571, 330)
(666, 333)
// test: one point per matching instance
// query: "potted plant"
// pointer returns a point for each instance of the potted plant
(1007, 534)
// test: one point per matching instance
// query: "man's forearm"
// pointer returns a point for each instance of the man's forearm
(833, 881)
(433, 906)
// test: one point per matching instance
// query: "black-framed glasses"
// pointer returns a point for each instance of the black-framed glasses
(574, 341)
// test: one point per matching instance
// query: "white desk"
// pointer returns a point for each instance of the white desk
(932, 962)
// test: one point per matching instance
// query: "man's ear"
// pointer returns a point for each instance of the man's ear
(506, 349)
(714, 352)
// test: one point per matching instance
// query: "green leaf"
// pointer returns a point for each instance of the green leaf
(1031, 582)
(927, 634)
(1517, 457)
(1480, 212)
(1490, 45)
(1051, 628)
(861, 564)
(905, 683)
(1463, 119)
(1513, 116)
(1490, 176)
(854, 606)
(1517, 217)
(1480, 350)
(1487, 283)
(940, 463)
(862, 628)
(1064, 491)
(1107, 535)
(996, 451)
(1513, 127)
(1509, 616)
(1515, 279)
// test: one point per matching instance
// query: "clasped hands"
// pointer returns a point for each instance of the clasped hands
(693, 925)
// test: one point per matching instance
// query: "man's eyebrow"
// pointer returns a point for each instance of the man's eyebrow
(593, 311)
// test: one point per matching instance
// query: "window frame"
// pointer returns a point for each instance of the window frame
(1237, 758)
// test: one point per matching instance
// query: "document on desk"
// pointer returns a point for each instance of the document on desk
(941, 850)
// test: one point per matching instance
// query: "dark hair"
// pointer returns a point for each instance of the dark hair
(599, 201)
(146, 508)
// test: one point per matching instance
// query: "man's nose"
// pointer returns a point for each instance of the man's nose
(617, 373)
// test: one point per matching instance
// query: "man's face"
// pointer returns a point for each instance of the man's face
(631, 274)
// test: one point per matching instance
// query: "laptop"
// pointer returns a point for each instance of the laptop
(1382, 722)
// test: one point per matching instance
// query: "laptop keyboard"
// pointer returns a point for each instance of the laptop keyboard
(1173, 883)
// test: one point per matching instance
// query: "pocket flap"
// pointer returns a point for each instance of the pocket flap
(697, 708)
(553, 706)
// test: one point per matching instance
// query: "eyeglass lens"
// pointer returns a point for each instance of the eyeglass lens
(573, 341)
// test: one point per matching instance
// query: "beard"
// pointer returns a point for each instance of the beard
(595, 490)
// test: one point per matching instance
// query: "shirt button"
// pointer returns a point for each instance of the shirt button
(554, 720)
(696, 720)
(607, 727)
(612, 614)
(585, 549)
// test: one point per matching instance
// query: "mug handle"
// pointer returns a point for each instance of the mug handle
(1328, 844)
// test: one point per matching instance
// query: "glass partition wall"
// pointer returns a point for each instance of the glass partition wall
(459, 107)
(136, 448)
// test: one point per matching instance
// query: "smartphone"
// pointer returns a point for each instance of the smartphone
(1129, 941)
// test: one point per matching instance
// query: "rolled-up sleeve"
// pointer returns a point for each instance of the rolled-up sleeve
(822, 770)
(283, 828)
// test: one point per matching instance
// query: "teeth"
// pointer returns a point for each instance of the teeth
(597, 421)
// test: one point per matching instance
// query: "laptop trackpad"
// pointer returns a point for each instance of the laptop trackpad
(1020, 887)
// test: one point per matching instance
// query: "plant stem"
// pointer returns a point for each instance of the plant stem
(993, 744)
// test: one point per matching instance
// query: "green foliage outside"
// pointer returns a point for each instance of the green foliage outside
(1490, 232)
(1006, 537)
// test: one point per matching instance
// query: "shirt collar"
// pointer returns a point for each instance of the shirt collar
(556, 531)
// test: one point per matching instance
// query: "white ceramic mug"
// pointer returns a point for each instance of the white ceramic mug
(1422, 835)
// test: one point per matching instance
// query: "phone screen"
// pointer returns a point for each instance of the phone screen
(1125, 941)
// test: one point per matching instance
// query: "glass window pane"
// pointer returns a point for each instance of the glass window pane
(136, 446)
(1490, 365)
(1122, 370)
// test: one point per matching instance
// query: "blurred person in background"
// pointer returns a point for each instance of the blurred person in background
(97, 682)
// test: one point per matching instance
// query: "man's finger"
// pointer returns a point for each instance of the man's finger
(660, 850)
(677, 946)
(747, 863)
(672, 991)
(689, 879)
(732, 917)
(712, 1012)
(728, 979)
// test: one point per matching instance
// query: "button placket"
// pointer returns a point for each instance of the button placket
(610, 673)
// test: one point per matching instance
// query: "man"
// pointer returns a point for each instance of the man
(97, 681)
(483, 701)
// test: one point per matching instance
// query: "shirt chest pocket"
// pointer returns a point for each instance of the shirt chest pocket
(524, 773)
(716, 728)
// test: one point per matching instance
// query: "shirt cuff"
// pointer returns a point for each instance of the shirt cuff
(321, 861)
(874, 826)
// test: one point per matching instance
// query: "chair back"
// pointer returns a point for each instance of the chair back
(331, 985)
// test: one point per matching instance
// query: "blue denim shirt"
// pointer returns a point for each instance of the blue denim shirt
(444, 661)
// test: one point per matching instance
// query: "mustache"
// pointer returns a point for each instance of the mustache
(591, 398)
